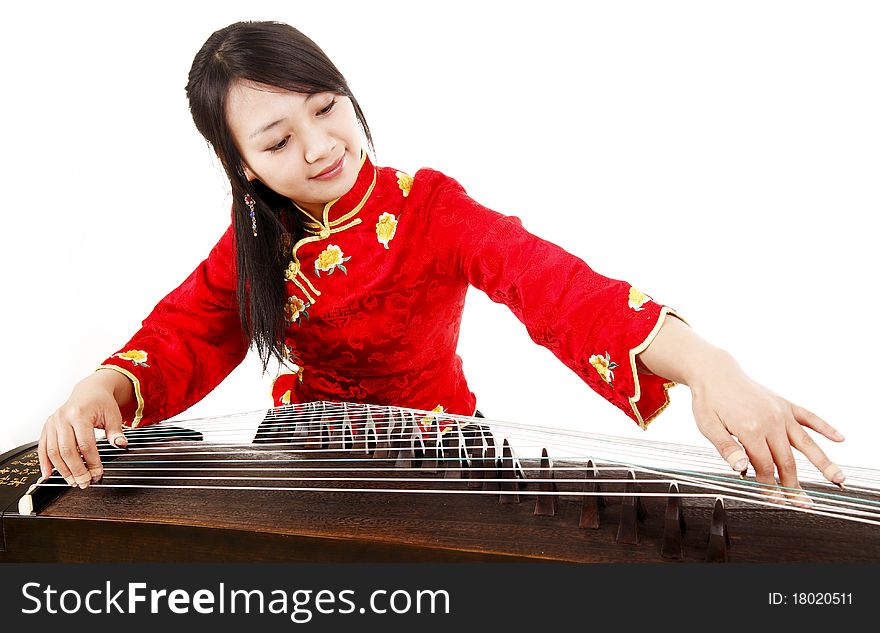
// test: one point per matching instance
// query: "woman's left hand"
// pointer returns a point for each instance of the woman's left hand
(748, 422)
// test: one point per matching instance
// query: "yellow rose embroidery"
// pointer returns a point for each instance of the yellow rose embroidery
(604, 365)
(386, 227)
(136, 356)
(637, 298)
(330, 259)
(425, 422)
(285, 399)
(404, 181)
(293, 308)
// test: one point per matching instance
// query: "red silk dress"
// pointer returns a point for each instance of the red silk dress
(376, 293)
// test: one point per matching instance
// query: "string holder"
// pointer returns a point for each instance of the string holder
(545, 506)
(632, 510)
(674, 526)
(719, 535)
(509, 485)
(593, 501)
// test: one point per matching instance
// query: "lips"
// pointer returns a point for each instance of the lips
(332, 168)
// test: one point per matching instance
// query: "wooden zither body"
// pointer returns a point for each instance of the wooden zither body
(334, 483)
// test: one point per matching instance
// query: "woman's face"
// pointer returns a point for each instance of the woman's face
(288, 138)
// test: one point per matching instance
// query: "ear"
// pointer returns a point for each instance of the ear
(251, 176)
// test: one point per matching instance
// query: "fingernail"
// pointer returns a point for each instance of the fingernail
(119, 441)
(838, 477)
(741, 464)
(70, 481)
(802, 500)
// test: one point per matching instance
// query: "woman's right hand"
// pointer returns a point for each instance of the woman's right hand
(68, 438)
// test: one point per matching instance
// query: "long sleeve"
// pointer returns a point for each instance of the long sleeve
(594, 324)
(188, 344)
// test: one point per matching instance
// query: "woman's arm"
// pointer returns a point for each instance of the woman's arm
(727, 404)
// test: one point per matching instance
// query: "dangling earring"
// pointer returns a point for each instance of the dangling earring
(251, 204)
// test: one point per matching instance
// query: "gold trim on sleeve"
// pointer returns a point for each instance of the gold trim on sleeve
(137, 392)
(632, 360)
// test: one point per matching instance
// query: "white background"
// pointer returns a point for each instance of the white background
(723, 157)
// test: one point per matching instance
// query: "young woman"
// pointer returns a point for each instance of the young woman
(357, 274)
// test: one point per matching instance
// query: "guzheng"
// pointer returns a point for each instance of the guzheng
(347, 482)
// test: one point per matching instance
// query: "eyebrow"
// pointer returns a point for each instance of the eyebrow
(268, 127)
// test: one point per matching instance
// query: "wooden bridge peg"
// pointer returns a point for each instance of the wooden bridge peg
(359, 429)
(490, 463)
(278, 427)
(521, 480)
(473, 441)
(632, 511)
(719, 536)
(474, 446)
(674, 526)
(452, 459)
(295, 416)
(324, 435)
(334, 435)
(546, 503)
(509, 486)
(285, 430)
(406, 455)
(384, 434)
(431, 438)
(304, 425)
(268, 428)
(316, 434)
(636, 489)
(347, 428)
(628, 530)
(371, 435)
(417, 440)
(592, 502)
(463, 450)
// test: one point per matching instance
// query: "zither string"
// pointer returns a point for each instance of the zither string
(308, 423)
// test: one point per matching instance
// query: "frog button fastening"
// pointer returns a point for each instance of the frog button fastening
(292, 270)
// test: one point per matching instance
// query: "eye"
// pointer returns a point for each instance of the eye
(280, 145)
(328, 107)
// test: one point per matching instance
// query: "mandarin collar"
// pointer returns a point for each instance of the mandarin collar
(348, 204)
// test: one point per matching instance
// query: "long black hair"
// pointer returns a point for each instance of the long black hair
(278, 55)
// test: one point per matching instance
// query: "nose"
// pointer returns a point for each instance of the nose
(318, 145)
